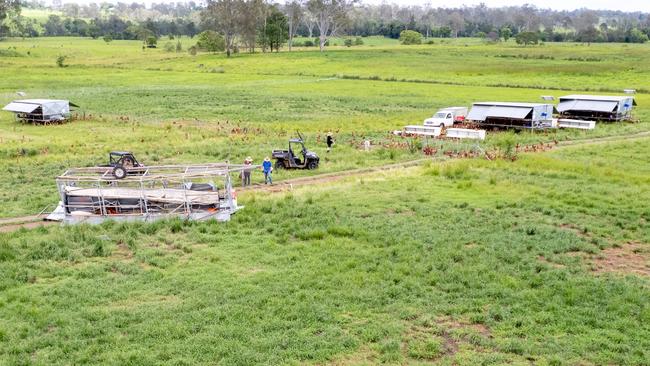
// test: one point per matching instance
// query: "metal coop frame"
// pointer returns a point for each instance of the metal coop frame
(192, 192)
(512, 115)
(40, 111)
(596, 107)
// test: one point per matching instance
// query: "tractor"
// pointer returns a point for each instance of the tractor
(123, 164)
(288, 159)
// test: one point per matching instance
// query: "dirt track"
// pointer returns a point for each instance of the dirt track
(32, 221)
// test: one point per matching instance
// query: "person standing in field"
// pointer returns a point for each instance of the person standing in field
(246, 174)
(267, 168)
(330, 141)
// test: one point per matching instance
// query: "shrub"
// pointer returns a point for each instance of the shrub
(348, 43)
(211, 41)
(192, 50)
(410, 37)
(527, 38)
(309, 43)
(358, 41)
(108, 39)
(60, 61)
(179, 46)
(169, 47)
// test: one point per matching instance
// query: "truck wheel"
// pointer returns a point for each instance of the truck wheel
(312, 165)
(279, 165)
(119, 172)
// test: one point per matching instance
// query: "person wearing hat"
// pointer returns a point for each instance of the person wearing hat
(330, 141)
(246, 174)
(267, 168)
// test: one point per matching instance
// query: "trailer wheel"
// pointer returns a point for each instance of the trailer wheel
(313, 164)
(119, 172)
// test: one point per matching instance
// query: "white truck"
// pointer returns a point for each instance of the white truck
(447, 117)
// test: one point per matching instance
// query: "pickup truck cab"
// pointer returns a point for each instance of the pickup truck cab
(447, 117)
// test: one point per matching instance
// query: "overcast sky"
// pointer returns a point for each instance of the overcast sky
(625, 5)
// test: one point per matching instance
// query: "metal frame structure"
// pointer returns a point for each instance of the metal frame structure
(40, 111)
(189, 192)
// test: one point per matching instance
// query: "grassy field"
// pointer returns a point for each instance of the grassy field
(170, 107)
(542, 260)
(467, 262)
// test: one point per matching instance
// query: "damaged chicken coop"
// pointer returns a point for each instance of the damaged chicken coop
(41, 111)
(596, 107)
(512, 115)
(191, 192)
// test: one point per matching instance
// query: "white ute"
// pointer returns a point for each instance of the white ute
(446, 117)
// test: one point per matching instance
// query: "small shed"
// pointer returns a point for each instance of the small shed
(40, 111)
(512, 115)
(596, 107)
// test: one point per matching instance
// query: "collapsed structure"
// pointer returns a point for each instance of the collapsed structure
(596, 107)
(193, 192)
(40, 111)
(512, 115)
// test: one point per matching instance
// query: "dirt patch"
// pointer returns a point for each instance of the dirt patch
(27, 225)
(631, 258)
(544, 260)
(576, 230)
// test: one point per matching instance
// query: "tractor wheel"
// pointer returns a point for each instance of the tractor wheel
(119, 172)
(313, 164)
(279, 165)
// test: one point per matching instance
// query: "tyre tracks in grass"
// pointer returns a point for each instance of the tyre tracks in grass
(34, 221)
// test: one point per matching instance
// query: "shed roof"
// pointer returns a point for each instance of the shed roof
(29, 105)
(482, 110)
(18, 107)
(604, 98)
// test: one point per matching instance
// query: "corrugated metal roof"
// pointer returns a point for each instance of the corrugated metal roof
(19, 107)
(510, 104)
(604, 98)
(478, 112)
(482, 111)
(587, 105)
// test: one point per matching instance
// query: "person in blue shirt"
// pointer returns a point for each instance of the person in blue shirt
(267, 168)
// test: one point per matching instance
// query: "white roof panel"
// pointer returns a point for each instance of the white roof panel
(587, 105)
(19, 107)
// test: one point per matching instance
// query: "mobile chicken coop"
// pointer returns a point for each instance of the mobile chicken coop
(596, 107)
(512, 115)
(192, 192)
(40, 111)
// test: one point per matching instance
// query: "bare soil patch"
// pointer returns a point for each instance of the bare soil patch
(631, 258)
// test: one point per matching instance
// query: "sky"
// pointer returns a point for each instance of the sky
(624, 5)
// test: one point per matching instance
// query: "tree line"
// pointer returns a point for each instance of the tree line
(253, 24)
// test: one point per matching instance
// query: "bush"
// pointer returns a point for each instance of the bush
(211, 41)
(410, 37)
(309, 43)
(527, 38)
(60, 61)
(358, 41)
(348, 43)
(169, 47)
(108, 39)
(179, 46)
(192, 50)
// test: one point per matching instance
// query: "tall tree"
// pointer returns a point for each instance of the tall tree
(295, 13)
(331, 16)
(276, 29)
(223, 16)
(8, 7)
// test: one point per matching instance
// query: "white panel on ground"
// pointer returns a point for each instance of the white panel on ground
(464, 133)
(576, 123)
(422, 130)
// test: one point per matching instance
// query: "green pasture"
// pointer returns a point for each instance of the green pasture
(461, 263)
(174, 107)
